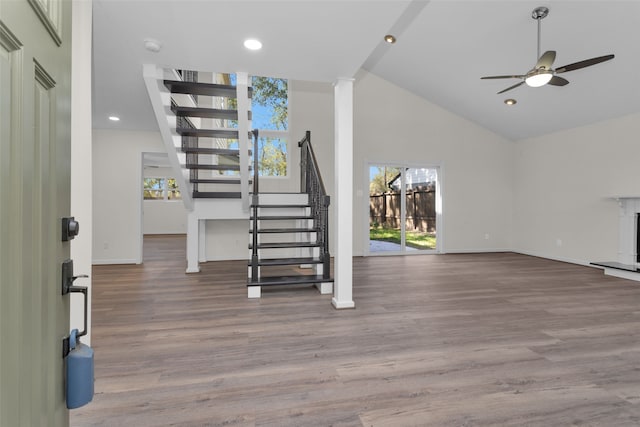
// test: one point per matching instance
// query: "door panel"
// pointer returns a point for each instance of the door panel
(35, 183)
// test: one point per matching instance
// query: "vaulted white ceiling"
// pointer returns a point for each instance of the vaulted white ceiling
(443, 48)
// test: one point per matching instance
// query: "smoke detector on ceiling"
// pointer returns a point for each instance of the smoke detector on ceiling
(152, 45)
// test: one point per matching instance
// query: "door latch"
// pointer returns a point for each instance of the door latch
(68, 278)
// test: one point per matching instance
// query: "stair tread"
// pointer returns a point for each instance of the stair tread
(205, 150)
(283, 217)
(207, 113)
(212, 167)
(212, 133)
(280, 245)
(287, 261)
(215, 181)
(281, 206)
(288, 280)
(217, 195)
(286, 230)
(197, 88)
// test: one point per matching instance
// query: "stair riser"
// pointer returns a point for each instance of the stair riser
(284, 223)
(218, 187)
(264, 271)
(283, 199)
(285, 237)
(288, 253)
(283, 211)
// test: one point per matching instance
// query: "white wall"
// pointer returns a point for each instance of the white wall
(393, 125)
(227, 239)
(163, 216)
(564, 182)
(117, 193)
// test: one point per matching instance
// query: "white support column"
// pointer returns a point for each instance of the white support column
(202, 240)
(343, 199)
(242, 85)
(193, 246)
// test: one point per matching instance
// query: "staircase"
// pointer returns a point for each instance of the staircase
(289, 232)
(205, 129)
(214, 168)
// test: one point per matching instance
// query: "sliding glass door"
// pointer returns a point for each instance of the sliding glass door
(403, 209)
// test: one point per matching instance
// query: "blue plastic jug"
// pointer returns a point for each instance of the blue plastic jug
(79, 372)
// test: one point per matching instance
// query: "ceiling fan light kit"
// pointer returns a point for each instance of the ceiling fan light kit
(538, 78)
(542, 73)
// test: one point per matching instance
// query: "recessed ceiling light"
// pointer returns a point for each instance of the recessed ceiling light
(253, 44)
(510, 101)
(114, 118)
(389, 38)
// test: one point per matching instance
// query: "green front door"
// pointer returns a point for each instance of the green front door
(35, 129)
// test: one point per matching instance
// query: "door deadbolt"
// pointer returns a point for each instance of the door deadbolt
(70, 228)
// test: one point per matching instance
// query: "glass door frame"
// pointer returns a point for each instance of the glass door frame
(438, 202)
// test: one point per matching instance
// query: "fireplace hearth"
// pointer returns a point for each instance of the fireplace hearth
(628, 264)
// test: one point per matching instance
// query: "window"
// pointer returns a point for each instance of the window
(272, 156)
(161, 189)
(270, 115)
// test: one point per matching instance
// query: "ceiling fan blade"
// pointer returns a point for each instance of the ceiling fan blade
(558, 81)
(546, 60)
(511, 87)
(502, 77)
(585, 63)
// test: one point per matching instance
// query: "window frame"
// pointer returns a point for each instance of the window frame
(164, 190)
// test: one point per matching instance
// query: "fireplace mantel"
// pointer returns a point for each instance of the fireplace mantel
(622, 199)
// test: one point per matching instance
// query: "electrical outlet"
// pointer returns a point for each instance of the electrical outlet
(486, 236)
(105, 246)
(558, 242)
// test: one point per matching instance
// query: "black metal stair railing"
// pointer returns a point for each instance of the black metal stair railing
(311, 183)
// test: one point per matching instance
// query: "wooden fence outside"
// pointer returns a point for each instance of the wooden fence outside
(384, 209)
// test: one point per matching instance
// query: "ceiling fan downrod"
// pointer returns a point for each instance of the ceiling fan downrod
(539, 13)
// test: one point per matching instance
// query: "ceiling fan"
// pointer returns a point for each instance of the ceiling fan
(542, 73)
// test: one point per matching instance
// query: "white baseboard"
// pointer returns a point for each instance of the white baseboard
(554, 258)
(475, 251)
(114, 261)
(342, 304)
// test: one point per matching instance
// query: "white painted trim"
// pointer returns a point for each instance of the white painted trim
(561, 259)
(483, 250)
(439, 167)
(244, 127)
(141, 209)
(113, 261)
(343, 190)
(339, 305)
(152, 75)
(622, 274)
(81, 248)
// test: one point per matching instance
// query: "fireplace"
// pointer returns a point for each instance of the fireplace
(628, 264)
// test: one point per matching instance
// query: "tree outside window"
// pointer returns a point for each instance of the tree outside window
(270, 115)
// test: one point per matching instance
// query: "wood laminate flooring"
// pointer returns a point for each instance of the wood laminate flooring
(496, 339)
